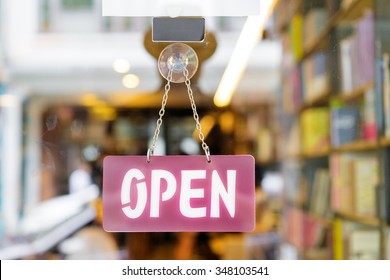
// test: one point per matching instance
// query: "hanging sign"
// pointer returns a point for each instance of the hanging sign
(178, 193)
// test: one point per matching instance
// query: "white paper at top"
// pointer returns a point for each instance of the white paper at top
(155, 8)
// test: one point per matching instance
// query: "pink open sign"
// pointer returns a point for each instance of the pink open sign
(178, 193)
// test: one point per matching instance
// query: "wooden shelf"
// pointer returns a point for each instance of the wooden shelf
(316, 154)
(357, 93)
(385, 141)
(352, 12)
(320, 99)
(356, 9)
(359, 146)
(365, 220)
(291, 156)
(312, 154)
(297, 204)
(326, 222)
(317, 254)
(268, 162)
(297, 7)
(310, 254)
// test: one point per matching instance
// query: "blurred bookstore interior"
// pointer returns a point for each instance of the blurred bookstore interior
(311, 104)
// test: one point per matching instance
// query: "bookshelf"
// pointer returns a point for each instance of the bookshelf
(358, 146)
(385, 141)
(344, 151)
(284, 15)
(327, 222)
(321, 99)
(349, 13)
(370, 221)
(356, 93)
(316, 154)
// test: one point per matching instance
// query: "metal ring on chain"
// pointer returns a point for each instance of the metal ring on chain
(161, 113)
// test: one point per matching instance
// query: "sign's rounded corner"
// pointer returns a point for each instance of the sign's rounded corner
(252, 158)
(105, 159)
(104, 226)
(251, 228)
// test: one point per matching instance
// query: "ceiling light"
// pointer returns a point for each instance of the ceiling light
(121, 66)
(130, 81)
(250, 35)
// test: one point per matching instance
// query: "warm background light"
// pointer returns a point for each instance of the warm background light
(130, 81)
(121, 66)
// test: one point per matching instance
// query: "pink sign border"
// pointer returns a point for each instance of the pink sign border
(244, 221)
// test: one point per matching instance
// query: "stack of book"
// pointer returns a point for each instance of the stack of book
(385, 91)
(296, 36)
(355, 178)
(292, 94)
(355, 242)
(315, 130)
(314, 22)
(355, 122)
(357, 55)
(315, 76)
(303, 231)
(320, 193)
(345, 125)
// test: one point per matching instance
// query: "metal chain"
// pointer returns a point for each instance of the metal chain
(160, 119)
(162, 112)
(205, 147)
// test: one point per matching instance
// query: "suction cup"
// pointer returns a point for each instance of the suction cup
(175, 58)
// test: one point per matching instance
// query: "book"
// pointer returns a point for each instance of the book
(293, 230)
(296, 36)
(386, 92)
(366, 173)
(388, 245)
(336, 183)
(354, 181)
(344, 125)
(292, 170)
(347, 183)
(315, 76)
(384, 193)
(292, 90)
(338, 239)
(364, 244)
(315, 130)
(314, 21)
(365, 48)
(356, 60)
(312, 232)
(342, 189)
(296, 85)
(320, 192)
(368, 123)
(353, 241)
(346, 67)
(303, 231)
